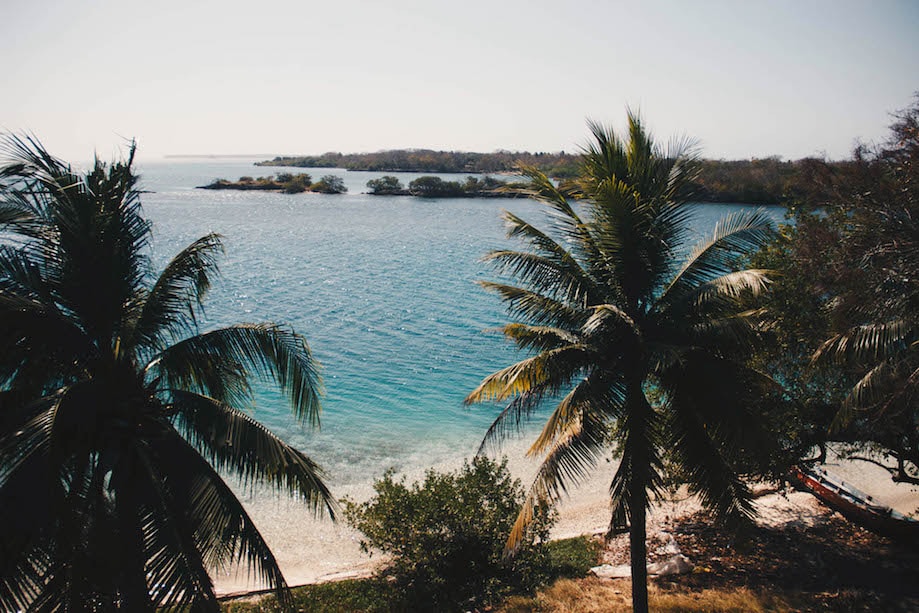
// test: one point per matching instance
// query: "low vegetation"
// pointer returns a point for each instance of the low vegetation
(283, 182)
(566, 558)
(446, 536)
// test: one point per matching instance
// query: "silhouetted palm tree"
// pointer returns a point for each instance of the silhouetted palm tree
(116, 415)
(619, 311)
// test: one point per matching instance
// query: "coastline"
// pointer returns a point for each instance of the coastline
(311, 550)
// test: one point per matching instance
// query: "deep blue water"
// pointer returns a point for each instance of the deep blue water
(384, 290)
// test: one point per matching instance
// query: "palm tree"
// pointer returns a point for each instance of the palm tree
(615, 320)
(117, 417)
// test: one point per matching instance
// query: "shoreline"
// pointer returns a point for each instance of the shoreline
(313, 551)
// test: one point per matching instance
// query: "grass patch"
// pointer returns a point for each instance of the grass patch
(571, 557)
(367, 595)
(597, 596)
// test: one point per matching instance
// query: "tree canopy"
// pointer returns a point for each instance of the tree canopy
(850, 278)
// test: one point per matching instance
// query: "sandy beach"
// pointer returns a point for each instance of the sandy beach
(311, 550)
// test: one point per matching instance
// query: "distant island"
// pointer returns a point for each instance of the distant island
(435, 187)
(284, 182)
(758, 181)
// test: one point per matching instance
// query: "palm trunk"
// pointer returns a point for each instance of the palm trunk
(640, 414)
(638, 550)
(133, 588)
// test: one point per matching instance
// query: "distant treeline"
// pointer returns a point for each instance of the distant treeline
(758, 181)
(559, 164)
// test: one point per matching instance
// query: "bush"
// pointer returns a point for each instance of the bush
(329, 184)
(435, 187)
(294, 184)
(447, 535)
(385, 185)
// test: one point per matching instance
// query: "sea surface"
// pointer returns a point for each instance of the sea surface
(385, 291)
(382, 287)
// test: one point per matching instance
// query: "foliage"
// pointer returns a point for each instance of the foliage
(386, 185)
(294, 184)
(374, 595)
(116, 412)
(573, 557)
(285, 182)
(613, 307)
(329, 184)
(856, 252)
(472, 187)
(757, 181)
(446, 535)
(798, 317)
(435, 187)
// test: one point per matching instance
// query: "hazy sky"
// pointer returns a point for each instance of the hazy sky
(746, 78)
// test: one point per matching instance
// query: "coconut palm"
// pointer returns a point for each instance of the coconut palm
(117, 417)
(637, 340)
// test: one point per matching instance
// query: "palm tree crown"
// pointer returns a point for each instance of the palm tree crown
(614, 308)
(116, 414)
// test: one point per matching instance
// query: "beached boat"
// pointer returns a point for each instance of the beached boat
(855, 505)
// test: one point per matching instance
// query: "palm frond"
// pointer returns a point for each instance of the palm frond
(727, 289)
(870, 342)
(510, 420)
(734, 235)
(235, 442)
(607, 316)
(541, 188)
(548, 370)
(218, 363)
(171, 306)
(538, 308)
(540, 338)
(41, 345)
(16, 215)
(221, 528)
(557, 279)
(576, 450)
(709, 472)
(594, 396)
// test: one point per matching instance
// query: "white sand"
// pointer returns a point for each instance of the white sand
(310, 550)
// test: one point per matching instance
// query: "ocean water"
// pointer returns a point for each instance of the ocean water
(384, 290)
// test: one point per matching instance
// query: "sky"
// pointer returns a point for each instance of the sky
(744, 78)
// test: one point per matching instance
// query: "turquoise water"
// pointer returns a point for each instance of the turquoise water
(384, 290)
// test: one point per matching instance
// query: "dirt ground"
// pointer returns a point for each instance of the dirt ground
(798, 547)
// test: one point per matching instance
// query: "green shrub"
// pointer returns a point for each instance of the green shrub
(294, 184)
(387, 184)
(447, 535)
(329, 184)
(572, 557)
